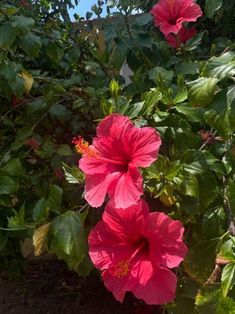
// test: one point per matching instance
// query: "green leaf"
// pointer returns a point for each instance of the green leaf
(197, 162)
(202, 91)
(17, 222)
(36, 107)
(207, 193)
(7, 185)
(185, 67)
(210, 301)
(228, 278)
(133, 110)
(73, 174)
(226, 306)
(22, 24)
(200, 260)
(203, 243)
(74, 80)
(79, 103)
(60, 113)
(151, 99)
(191, 187)
(23, 133)
(54, 199)
(114, 88)
(54, 52)
(207, 302)
(40, 210)
(212, 6)
(65, 150)
(227, 250)
(106, 106)
(194, 42)
(214, 223)
(166, 75)
(8, 9)
(31, 44)
(220, 67)
(7, 36)
(67, 239)
(191, 113)
(185, 297)
(181, 96)
(219, 115)
(14, 168)
(47, 150)
(85, 267)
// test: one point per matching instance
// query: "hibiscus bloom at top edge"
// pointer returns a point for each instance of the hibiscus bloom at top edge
(170, 15)
(111, 163)
(134, 249)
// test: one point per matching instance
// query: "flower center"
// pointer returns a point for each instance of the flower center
(83, 147)
(141, 245)
(172, 18)
(172, 21)
(122, 268)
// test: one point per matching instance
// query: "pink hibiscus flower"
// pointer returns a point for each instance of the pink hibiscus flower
(111, 162)
(170, 15)
(134, 249)
(182, 37)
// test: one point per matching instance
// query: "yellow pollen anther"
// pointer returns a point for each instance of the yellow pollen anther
(83, 147)
(122, 268)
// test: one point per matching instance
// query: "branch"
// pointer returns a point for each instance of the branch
(227, 207)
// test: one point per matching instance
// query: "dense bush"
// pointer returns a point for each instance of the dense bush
(58, 79)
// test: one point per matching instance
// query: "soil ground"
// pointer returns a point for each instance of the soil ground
(50, 288)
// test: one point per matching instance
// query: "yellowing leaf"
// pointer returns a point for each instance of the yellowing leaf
(167, 197)
(39, 238)
(28, 80)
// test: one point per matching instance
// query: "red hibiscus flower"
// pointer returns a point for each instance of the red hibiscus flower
(182, 37)
(134, 249)
(170, 15)
(111, 162)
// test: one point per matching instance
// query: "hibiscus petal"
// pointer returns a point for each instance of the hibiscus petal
(165, 237)
(112, 125)
(128, 189)
(93, 165)
(142, 270)
(142, 144)
(112, 150)
(106, 247)
(161, 12)
(182, 37)
(126, 223)
(96, 187)
(190, 13)
(167, 28)
(159, 289)
(117, 285)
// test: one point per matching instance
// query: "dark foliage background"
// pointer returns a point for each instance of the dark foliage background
(58, 79)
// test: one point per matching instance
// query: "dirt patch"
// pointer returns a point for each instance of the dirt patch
(49, 288)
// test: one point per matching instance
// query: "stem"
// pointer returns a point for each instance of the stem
(125, 17)
(227, 207)
(226, 202)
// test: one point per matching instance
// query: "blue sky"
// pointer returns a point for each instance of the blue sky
(83, 7)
